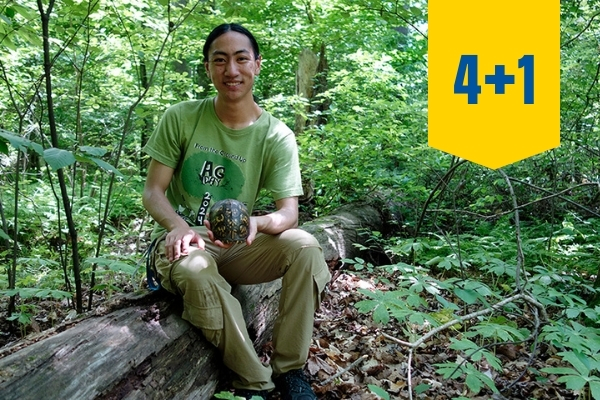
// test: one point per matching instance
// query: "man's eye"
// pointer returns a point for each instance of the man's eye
(243, 59)
(219, 61)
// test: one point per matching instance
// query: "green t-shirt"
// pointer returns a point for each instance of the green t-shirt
(213, 162)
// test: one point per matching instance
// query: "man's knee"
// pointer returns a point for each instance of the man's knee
(198, 273)
(307, 257)
(197, 263)
(298, 238)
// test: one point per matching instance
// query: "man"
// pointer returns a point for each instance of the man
(228, 147)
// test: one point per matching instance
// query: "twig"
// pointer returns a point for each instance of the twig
(568, 42)
(409, 373)
(464, 318)
(402, 342)
(535, 345)
(475, 314)
(520, 255)
(413, 345)
(562, 197)
(441, 185)
(348, 368)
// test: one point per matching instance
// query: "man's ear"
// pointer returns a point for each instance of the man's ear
(206, 68)
(258, 65)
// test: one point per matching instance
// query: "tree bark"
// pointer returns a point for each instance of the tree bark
(145, 350)
(337, 233)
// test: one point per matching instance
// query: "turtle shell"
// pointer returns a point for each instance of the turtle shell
(229, 221)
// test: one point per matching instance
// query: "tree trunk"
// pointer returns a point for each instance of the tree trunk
(307, 68)
(145, 350)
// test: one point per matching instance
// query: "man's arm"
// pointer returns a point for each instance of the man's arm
(286, 217)
(154, 200)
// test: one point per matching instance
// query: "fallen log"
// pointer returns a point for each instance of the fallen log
(145, 350)
(337, 233)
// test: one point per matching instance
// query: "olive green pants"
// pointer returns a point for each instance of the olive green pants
(203, 279)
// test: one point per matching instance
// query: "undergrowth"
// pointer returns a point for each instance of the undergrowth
(442, 282)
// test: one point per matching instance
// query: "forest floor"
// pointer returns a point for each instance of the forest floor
(350, 352)
(346, 340)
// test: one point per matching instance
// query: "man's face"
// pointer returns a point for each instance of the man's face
(231, 66)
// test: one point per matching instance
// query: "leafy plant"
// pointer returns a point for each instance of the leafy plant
(583, 373)
(24, 316)
(474, 379)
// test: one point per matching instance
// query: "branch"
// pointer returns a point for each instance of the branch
(443, 182)
(588, 100)
(348, 368)
(520, 255)
(458, 320)
(413, 345)
(561, 197)
(400, 17)
(568, 42)
(522, 206)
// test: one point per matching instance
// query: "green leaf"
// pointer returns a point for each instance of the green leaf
(381, 315)
(93, 151)
(26, 12)
(379, 392)
(468, 296)
(119, 266)
(421, 388)
(58, 158)
(55, 294)
(20, 143)
(9, 292)
(572, 382)
(449, 370)
(3, 147)
(24, 318)
(595, 388)
(106, 166)
(474, 383)
(580, 361)
(463, 344)
(3, 235)
(7, 41)
(365, 306)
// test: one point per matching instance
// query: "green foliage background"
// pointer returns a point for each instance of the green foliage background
(117, 65)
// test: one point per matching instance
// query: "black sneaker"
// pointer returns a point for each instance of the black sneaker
(252, 394)
(293, 385)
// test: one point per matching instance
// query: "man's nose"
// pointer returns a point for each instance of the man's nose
(231, 68)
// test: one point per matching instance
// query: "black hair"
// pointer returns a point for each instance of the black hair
(224, 28)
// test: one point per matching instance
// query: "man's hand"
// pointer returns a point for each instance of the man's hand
(179, 241)
(252, 231)
(251, 234)
(211, 236)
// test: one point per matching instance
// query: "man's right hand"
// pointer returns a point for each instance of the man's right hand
(179, 241)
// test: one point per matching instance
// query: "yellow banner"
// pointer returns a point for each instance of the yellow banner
(494, 79)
